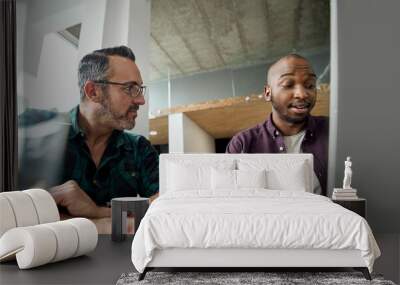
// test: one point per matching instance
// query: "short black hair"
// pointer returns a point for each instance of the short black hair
(94, 66)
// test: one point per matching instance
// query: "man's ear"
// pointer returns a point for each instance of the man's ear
(267, 93)
(92, 91)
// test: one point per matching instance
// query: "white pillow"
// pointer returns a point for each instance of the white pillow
(281, 173)
(235, 179)
(223, 179)
(188, 175)
(182, 177)
(251, 178)
(294, 178)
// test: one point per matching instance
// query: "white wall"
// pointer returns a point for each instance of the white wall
(47, 64)
(195, 139)
(44, 17)
(55, 85)
(175, 133)
(50, 62)
(116, 23)
(92, 30)
(185, 136)
(139, 41)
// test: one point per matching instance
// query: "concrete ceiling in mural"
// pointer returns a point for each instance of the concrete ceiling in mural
(192, 36)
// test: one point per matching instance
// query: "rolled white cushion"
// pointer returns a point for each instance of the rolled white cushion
(45, 205)
(40, 244)
(26, 208)
(67, 239)
(7, 218)
(33, 246)
(87, 235)
(23, 208)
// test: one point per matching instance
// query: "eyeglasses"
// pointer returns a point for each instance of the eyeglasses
(131, 89)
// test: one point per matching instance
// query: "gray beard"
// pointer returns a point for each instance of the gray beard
(106, 115)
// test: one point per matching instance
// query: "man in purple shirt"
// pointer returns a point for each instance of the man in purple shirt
(291, 89)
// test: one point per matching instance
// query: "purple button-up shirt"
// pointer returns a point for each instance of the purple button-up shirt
(266, 138)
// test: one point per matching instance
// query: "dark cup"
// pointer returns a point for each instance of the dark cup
(120, 208)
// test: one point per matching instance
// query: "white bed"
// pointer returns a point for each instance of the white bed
(218, 210)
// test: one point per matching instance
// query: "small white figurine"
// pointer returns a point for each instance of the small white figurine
(348, 173)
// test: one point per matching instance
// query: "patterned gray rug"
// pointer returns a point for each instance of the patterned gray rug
(269, 278)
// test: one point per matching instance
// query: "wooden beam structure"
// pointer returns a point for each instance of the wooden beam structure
(225, 117)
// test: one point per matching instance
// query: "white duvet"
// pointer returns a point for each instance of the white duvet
(253, 218)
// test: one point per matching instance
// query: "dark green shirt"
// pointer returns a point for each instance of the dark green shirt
(129, 165)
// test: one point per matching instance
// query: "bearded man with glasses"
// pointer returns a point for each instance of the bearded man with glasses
(102, 161)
